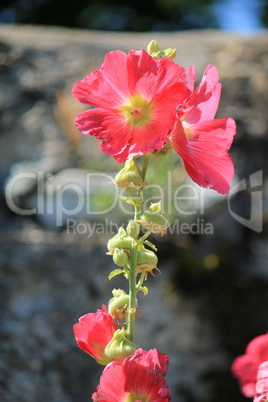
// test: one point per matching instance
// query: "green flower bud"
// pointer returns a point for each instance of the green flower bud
(154, 220)
(120, 257)
(129, 178)
(169, 54)
(146, 256)
(119, 348)
(118, 305)
(155, 207)
(146, 259)
(153, 47)
(133, 229)
(154, 50)
(121, 240)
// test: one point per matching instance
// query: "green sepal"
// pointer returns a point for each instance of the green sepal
(115, 272)
(133, 201)
(145, 290)
(148, 243)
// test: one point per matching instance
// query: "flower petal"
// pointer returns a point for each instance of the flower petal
(107, 87)
(262, 383)
(258, 348)
(111, 387)
(205, 153)
(149, 76)
(145, 375)
(158, 85)
(138, 378)
(245, 367)
(93, 332)
(203, 103)
(108, 127)
(122, 141)
(191, 77)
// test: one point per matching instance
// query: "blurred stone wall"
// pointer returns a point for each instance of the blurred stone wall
(211, 297)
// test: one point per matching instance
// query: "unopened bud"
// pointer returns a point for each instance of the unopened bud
(154, 220)
(153, 47)
(120, 241)
(169, 54)
(133, 229)
(154, 50)
(129, 178)
(146, 258)
(120, 257)
(118, 305)
(119, 348)
(155, 207)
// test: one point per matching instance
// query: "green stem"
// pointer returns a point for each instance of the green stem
(144, 237)
(137, 215)
(145, 165)
(132, 275)
(132, 294)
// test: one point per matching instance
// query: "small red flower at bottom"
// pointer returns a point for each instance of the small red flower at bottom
(93, 332)
(245, 367)
(261, 394)
(139, 378)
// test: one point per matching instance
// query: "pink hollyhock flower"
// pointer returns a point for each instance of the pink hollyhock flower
(261, 392)
(137, 96)
(201, 140)
(93, 332)
(245, 367)
(139, 378)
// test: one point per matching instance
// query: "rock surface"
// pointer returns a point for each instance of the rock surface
(211, 297)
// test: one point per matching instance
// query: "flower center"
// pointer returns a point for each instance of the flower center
(188, 132)
(138, 112)
(136, 397)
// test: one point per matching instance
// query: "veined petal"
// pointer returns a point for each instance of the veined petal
(111, 388)
(245, 367)
(123, 141)
(93, 332)
(146, 371)
(107, 87)
(138, 96)
(261, 394)
(205, 152)
(106, 126)
(138, 378)
(258, 348)
(149, 76)
(191, 75)
(203, 103)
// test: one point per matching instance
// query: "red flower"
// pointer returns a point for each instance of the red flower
(201, 140)
(93, 332)
(139, 378)
(261, 393)
(137, 96)
(245, 367)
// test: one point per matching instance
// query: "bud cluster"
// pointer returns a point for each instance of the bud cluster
(154, 50)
